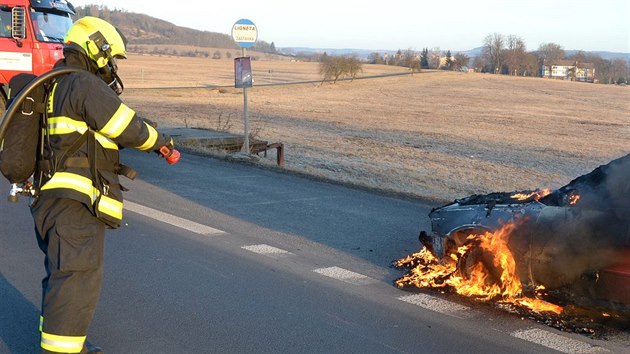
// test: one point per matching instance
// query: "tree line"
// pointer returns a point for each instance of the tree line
(425, 59)
(507, 55)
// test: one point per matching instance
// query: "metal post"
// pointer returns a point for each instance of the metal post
(245, 148)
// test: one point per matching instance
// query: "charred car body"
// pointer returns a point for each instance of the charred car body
(576, 237)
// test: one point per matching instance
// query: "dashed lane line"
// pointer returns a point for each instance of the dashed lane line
(267, 250)
(438, 305)
(345, 275)
(556, 341)
(173, 220)
(538, 336)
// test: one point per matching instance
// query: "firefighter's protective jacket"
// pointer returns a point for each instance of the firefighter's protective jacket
(82, 106)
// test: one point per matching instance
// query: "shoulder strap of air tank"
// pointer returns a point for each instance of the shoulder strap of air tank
(45, 167)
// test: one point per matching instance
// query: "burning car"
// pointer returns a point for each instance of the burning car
(516, 246)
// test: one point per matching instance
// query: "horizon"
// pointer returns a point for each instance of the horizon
(403, 25)
(444, 50)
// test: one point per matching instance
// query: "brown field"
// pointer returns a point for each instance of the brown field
(435, 135)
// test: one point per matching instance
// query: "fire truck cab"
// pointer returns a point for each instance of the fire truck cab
(31, 37)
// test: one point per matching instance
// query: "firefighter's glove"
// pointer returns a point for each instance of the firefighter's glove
(171, 155)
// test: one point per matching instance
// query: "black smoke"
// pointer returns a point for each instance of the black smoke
(569, 240)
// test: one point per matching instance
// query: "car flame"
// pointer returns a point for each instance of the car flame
(535, 195)
(483, 268)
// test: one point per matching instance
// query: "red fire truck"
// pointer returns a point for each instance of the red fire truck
(31, 37)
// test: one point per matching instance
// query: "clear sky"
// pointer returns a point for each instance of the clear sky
(597, 25)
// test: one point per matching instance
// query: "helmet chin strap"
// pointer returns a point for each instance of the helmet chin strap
(109, 72)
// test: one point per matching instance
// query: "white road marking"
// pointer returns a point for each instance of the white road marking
(438, 305)
(172, 219)
(266, 250)
(556, 341)
(345, 275)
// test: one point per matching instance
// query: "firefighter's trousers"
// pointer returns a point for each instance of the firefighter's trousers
(72, 240)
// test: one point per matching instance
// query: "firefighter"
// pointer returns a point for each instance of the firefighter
(80, 193)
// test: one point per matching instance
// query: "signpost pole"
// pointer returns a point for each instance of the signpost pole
(245, 148)
(245, 34)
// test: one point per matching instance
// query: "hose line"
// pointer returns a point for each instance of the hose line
(17, 101)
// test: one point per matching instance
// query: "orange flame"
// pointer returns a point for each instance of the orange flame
(536, 195)
(483, 268)
(573, 199)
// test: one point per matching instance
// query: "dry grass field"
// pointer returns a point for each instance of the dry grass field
(435, 135)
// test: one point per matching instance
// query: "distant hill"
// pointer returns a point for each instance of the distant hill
(143, 29)
(359, 53)
(472, 53)
(602, 54)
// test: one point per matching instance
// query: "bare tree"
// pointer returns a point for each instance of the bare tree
(603, 69)
(515, 55)
(531, 65)
(434, 57)
(550, 52)
(353, 67)
(461, 61)
(493, 46)
(619, 71)
(580, 57)
(332, 68)
(479, 63)
(411, 59)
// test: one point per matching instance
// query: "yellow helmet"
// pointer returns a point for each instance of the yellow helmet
(98, 38)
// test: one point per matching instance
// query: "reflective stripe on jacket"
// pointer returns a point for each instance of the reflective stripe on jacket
(81, 103)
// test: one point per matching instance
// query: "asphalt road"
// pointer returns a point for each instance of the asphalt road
(223, 257)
